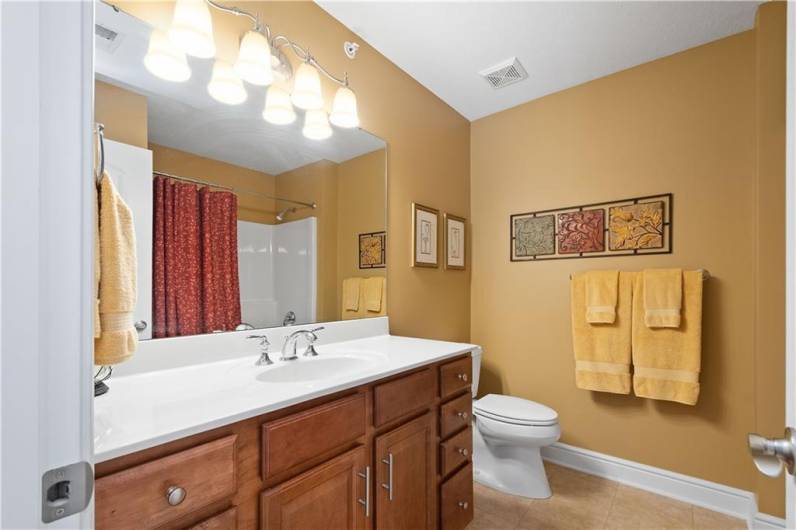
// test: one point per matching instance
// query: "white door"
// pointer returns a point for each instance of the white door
(130, 168)
(46, 277)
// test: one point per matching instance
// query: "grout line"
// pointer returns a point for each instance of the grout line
(610, 506)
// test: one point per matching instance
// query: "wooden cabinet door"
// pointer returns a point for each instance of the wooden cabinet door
(405, 476)
(327, 496)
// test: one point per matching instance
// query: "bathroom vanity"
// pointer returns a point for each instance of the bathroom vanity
(385, 445)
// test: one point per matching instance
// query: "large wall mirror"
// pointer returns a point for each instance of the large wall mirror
(240, 224)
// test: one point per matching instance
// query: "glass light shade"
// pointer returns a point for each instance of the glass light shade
(307, 88)
(316, 125)
(165, 60)
(225, 85)
(254, 59)
(192, 28)
(344, 108)
(278, 108)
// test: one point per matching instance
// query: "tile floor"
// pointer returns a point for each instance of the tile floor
(587, 502)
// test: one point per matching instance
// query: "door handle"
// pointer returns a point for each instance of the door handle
(388, 486)
(366, 501)
(770, 454)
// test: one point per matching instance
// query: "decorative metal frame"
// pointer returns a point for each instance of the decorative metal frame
(383, 236)
(667, 237)
(445, 218)
(280, 42)
(415, 208)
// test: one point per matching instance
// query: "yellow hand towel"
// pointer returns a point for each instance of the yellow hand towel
(602, 352)
(666, 361)
(351, 294)
(118, 338)
(601, 288)
(372, 293)
(663, 297)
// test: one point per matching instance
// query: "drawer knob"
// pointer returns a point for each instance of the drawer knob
(175, 495)
(464, 505)
(462, 415)
(463, 451)
(463, 377)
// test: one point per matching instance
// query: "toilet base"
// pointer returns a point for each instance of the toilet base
(509, 468)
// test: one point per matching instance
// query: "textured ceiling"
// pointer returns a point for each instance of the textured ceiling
(184, 116)
(561, 44)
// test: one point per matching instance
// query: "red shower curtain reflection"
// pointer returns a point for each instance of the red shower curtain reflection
(195, 260)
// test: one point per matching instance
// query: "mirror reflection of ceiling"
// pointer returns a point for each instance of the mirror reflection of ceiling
(184, 116)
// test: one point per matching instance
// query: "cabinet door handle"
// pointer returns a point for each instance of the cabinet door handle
(462, 451)
(464, 505)
(366, 501)
(462, 377)
(388, 486)
(462, 415)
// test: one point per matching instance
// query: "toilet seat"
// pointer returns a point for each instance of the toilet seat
(518, 411)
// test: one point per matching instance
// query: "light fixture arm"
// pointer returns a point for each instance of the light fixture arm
(280, 41)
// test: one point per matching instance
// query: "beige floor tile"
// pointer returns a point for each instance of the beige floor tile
(556, 513)
(509, 508)
(487, 521)
(581, 490)
(708, 520)
(640, 510)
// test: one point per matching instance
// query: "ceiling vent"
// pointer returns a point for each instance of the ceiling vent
(504, 74)
(107, 39)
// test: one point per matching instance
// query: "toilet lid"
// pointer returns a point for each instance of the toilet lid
(515, 410)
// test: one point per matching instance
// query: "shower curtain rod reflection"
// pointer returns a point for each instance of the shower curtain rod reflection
(312, 205)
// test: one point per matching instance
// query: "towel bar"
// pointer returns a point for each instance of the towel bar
(705, 274)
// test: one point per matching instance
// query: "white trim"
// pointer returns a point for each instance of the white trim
(763, 521)
(711, 495)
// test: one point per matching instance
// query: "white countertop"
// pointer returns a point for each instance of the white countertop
(146, 409)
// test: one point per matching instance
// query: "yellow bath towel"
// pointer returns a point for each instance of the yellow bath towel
(666, 361)
(663, 297)
(602, 351)
(601, 289)
(118, 338)
(372, 293)
(351, 287)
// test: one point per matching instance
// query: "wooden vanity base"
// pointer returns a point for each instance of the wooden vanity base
(392, 454)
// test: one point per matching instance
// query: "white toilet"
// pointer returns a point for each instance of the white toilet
(508, 433)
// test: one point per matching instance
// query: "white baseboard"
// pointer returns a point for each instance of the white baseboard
(711, 495)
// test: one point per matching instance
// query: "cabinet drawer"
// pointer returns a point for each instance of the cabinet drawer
(402, 396)
(227, 520)
(138, 497)
(456, 502)
(455, 451)
(455, 376)
(294, 439)
(454, 415)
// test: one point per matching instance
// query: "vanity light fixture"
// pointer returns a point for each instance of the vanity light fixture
(192, 28)
(254, 59)
(225, 85)
(261, 60)
(278, 108)
(316, 125)
(344, 108)
(307, 88)
(164, 60)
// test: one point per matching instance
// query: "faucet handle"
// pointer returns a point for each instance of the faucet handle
(263, 339)
(313, 332)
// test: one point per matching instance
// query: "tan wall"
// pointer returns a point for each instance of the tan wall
(360, 209)
(427, 158)
(317, 183)
(123, 113)
(251, 207)
(770, 303)
(684, 124)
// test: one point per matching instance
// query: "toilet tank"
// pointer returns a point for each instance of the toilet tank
(476, 354)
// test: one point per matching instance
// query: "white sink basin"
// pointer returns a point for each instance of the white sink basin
(316, 369)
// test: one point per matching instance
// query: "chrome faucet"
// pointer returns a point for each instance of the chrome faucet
(289, 348)
(264, 360)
